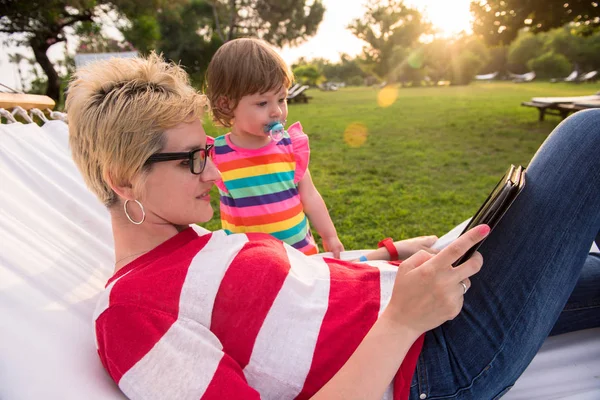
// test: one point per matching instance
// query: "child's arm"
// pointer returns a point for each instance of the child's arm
(405, 248)
(316, 211)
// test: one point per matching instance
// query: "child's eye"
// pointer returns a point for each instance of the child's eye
(262, 104)
(282, 100)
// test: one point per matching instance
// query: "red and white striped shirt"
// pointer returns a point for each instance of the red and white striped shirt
(240, 316)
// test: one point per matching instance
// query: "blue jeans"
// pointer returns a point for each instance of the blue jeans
(537, 275)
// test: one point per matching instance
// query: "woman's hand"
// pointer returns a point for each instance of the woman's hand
(428, 290)
(408, 247)
(334, 245)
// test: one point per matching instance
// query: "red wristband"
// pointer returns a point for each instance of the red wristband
(389, 245)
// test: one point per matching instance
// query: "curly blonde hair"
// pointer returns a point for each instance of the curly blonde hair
(243, 67)
(118, 110)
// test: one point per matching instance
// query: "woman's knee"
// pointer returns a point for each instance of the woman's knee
(583, 126)
(577, 138)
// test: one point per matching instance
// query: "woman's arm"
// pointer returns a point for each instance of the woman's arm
(427, 292)
(372, 367)
(316, 211)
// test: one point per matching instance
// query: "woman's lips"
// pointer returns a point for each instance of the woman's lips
(204, 196)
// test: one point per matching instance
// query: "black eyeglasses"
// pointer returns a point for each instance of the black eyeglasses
(196, 158)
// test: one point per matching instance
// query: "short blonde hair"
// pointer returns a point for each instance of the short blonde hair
(243, 67)
(118, 111)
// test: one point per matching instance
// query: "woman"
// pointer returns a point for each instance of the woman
(193, 314)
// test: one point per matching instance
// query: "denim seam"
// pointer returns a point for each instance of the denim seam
(422, 375)
(588, 307)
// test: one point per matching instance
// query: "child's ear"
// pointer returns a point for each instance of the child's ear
(224, 104)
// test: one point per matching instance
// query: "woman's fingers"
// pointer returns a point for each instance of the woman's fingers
(465, 285)
(415, 260)
(469, 267)
(428, 291)
(461, 245)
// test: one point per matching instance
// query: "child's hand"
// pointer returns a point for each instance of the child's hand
(408, 247)
(333, 245)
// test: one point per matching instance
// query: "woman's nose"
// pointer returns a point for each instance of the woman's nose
(211, 172)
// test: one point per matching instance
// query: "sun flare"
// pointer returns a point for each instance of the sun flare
(449, 17)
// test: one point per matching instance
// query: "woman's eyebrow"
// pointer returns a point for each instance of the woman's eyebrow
(186, 149)
(193, 147)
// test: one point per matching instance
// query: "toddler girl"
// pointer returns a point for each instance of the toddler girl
(265, 185)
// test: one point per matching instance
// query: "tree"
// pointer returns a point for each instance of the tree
(186, 37)
(387, 27)
(344, 70)
(277, 21)
(92, 40)
(307, 74)
(186, 31)
(550, 65)
(524, 48)
(497, 61)
(582, 51)
(551, 53)
(192, 32)
(499, 21)
(43, 24)
(347, 69)
(457, 59)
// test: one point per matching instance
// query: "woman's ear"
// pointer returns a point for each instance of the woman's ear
(122, 189)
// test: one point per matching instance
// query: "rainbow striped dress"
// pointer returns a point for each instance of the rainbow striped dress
(259, 188)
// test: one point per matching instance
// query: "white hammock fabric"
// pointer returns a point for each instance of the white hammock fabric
(56, 254)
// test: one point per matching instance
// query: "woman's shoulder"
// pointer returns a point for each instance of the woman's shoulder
(173, 259)
(159, 286)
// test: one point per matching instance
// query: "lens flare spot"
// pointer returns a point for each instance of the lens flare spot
(415, 59)
(355, 134)
(387, 96)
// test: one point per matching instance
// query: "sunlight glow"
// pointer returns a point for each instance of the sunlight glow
(449, 17)
(356, 134)
(387, 96)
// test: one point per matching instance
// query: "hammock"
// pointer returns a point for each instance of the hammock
(56, 255)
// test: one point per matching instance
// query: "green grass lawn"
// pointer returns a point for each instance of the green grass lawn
(429, 159)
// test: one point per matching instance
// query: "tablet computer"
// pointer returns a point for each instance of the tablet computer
(496, 204)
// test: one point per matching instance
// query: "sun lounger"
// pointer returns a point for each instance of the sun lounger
(588, 104)
(565, 100)
(528, 77)
(56, 253)
(591, 76)
(299, 95)
(293, 89)
(562, 106)
(572, 77)
(486, 77)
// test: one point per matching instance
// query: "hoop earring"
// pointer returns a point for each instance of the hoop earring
(127, 214)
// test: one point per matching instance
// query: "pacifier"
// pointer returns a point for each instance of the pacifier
(275, 130)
